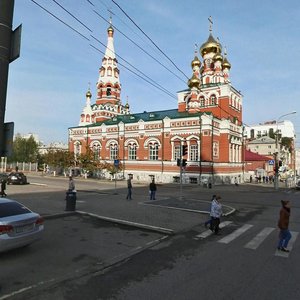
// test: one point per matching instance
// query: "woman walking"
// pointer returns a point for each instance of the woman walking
(216, 213)
(283, 224)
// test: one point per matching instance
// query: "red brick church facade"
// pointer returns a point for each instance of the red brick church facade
(208, 120)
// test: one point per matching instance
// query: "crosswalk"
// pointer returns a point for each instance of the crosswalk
(254, 243)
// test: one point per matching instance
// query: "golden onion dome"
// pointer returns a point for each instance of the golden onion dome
(127, 105)
(88, 94)
(194, 82)
(211, 45)
(110, 29)
(226, 63)
(218, 56)
(196, 62)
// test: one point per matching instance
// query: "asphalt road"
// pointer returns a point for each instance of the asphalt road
(186, 265)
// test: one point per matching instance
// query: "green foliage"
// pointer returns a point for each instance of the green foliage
(287, 142)
(57, 158)
(24, 150)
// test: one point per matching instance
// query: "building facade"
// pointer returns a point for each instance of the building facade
(208, 121)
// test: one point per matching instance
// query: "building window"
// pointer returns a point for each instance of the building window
(176, 152)
(202, 101)
(77, 150)
(108, 91)
(153, 151)
(194, 153)
(96, 151)
(113, 151)
(132, 151)
(213, 100)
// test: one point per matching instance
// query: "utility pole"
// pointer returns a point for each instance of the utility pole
(9, 51)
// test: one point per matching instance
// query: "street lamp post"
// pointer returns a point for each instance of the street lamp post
(277, 150)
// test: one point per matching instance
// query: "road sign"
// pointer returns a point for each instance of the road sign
(116, 163)
(271, 162)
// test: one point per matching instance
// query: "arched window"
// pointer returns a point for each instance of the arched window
(177, 151)
(194, 152)
(77, 149)
(96, 150)
(202, 101)
(108, 91)
(132, 151)
(102, 72)
(113, 151)
(109, 71)
(213, 100)
(153, 151)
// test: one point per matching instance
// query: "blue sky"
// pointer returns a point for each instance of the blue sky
(47, 84)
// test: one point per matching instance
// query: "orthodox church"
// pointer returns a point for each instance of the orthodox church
(205, 131)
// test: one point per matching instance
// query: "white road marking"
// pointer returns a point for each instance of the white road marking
(259, 238)
(208, 232)
(230, 237)
(290, 246)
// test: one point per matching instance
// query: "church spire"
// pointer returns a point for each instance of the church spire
(108, 84)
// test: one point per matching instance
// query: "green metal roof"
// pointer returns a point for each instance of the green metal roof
(146, 117)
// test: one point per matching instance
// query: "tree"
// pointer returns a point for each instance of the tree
(287, 142)
(24, 149)
(58, 158)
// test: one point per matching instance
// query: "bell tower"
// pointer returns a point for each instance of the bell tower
(108, 103)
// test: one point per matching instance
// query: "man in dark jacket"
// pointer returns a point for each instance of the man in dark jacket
(152, 188)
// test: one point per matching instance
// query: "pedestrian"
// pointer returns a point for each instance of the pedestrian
(209, 221)
(71, 184)
(129, 188)
(283, 224)
(216, 213)
(152, 189)
(3, 188)
(236, 181)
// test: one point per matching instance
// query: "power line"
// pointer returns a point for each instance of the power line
(149, 38)
(140, 47)
(153, 83)
(72, 15)
(135, 73)
(60, 20)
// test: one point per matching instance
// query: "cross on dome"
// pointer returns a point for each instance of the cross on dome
(210, 23)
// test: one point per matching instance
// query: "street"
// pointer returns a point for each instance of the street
(167, 253)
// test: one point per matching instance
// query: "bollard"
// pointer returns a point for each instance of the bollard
(70, 201)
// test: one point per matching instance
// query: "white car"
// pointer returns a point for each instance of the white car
(19, 226)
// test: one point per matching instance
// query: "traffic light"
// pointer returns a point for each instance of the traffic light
(184, 162)
(280, 163)
(184, 150)
(178, 162)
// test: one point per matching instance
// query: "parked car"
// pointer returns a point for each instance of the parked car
(298, 185)
(16, 178)
(19, 226)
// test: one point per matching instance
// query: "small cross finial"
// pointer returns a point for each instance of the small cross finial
(110, 15)
(196, 47)
(89, 84)
(210, 23)
(225, 51)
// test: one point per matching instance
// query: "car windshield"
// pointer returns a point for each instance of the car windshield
(12, 208)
